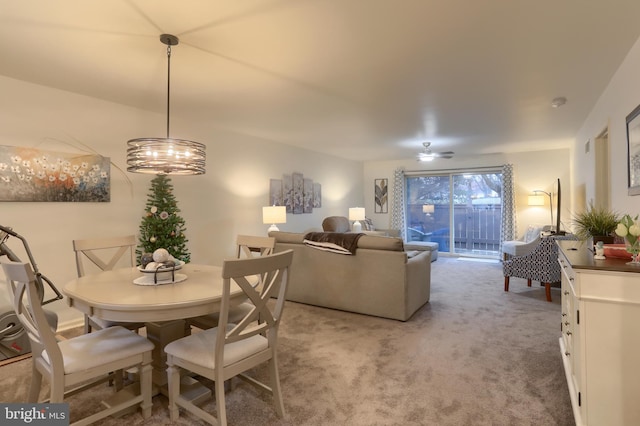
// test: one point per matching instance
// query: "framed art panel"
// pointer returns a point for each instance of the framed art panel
(317, 195)
(381, 196)
(298, 191)
(307, 196)
(31, 174)
(275, 192)
(287, 192)
(633, 151)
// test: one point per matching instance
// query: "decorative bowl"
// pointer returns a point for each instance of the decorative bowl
(618, 251)
(162, 273)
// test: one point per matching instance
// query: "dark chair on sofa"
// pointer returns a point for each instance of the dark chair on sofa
(336, 224)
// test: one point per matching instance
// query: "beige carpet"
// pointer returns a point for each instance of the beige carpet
(474, 355)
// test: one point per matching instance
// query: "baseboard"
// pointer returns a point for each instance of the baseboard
(14, 359)
(68, 325)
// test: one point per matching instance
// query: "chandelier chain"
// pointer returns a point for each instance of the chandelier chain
(168, 85)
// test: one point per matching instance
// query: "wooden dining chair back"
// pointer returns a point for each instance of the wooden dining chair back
(104, 254)
(248, 246)
(231, 349)
(74, 364)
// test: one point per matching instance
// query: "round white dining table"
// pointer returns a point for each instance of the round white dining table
(112, 295)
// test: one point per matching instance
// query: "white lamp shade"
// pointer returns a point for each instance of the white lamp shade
(274, 214)
(536, 200)
(356, 213)
(428, 208)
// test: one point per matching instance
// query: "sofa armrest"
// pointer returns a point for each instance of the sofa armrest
(418, 281)
(384, 232)
(519, 248)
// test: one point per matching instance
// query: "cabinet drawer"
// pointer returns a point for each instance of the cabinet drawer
(567, 337)
(566, 268)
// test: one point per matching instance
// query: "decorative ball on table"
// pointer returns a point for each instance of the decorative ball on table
(145, 259)
(161, 255)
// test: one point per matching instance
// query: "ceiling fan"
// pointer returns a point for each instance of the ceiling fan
(428, 155)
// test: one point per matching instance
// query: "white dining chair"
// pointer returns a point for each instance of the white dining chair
(104, 254)
(75, 364)
(230, 349)
(247, 246)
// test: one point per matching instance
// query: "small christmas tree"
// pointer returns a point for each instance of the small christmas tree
(161, 226)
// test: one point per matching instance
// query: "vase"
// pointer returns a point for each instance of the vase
(634, 249)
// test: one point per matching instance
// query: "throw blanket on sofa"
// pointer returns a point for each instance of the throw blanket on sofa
(335, 242)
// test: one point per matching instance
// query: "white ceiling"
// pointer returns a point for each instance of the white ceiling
(359, 79)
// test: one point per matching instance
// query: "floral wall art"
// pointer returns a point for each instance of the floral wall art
(297, 193)
(31, 174)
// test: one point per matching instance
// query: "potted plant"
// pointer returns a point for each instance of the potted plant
(597, 223)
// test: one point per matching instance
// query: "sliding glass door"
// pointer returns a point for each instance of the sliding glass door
(460, 211)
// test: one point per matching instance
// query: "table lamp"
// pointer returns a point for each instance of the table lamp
(273, 215)
(428, 208)
(356, 214)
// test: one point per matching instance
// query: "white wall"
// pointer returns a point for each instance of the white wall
(226, 201)
(532, 170)
(620, 97)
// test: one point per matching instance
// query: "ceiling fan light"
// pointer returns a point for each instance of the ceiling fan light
(428, 155)
(425, 157)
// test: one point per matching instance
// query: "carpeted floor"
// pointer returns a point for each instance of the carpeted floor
(474, 355)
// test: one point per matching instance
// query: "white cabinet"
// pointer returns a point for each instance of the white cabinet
(600, 341)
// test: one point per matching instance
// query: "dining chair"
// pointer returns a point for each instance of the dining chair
(105, 254)
(77, 363)
(247, 246)
(230, 349)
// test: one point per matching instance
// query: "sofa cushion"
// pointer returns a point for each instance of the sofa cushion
(375, 242)
(287, 237)
(372, 242)
(533, 232)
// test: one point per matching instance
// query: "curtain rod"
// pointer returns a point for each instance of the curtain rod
(466, 169)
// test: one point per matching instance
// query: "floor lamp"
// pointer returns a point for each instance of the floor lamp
(538, 200)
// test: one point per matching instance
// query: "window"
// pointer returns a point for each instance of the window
(461, 207)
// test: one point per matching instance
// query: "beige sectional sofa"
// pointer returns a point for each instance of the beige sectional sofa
(380, 279)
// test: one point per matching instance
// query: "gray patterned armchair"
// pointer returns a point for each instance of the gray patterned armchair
(541, 264)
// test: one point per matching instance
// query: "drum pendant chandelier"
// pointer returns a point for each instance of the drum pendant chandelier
(166, 156)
